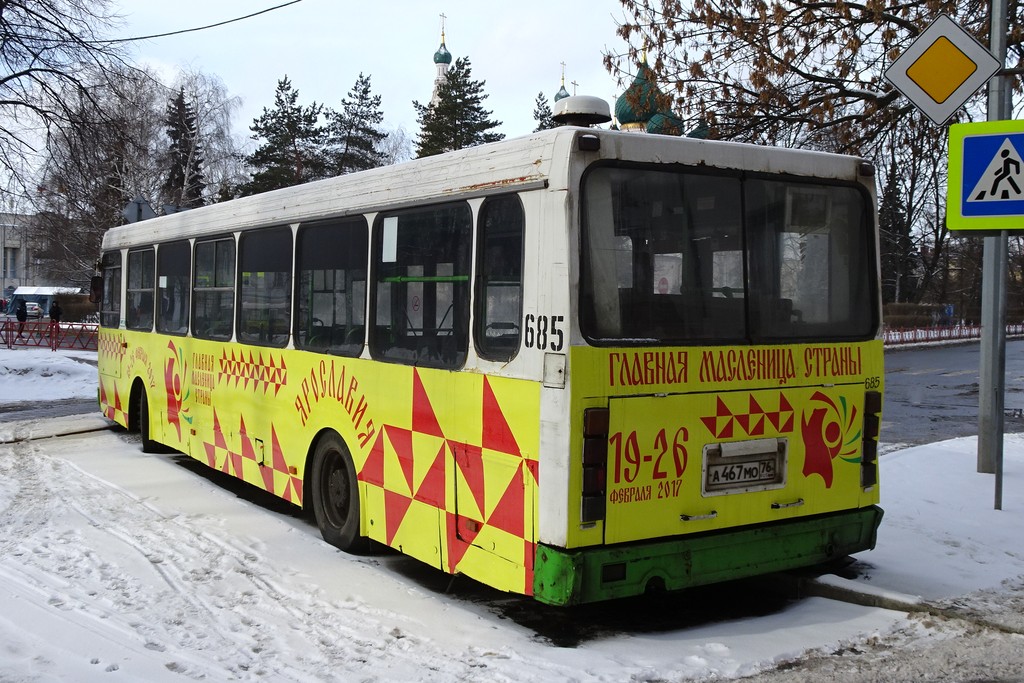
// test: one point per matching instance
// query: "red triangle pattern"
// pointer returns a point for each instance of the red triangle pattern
(469, 460)
(401, 441)
(757, 412)
(460, 537)
(293, 489)
(424, 420)
(752, 423)
(508, 513)
(267, 472)
(373, 469)
(218, 442)
(497, 435)
(432, 489)
(532, 466)
(115, 411)
(233, 461)
(253, 370)
(461, 531)
(395, 507)
(721, 422)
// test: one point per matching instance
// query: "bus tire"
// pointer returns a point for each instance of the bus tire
(148, 445)
(335, 492)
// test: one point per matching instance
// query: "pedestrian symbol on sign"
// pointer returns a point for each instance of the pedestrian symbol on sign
(986, 176)
(1002, 179)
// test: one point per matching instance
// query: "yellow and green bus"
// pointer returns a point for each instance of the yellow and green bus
(577, 365)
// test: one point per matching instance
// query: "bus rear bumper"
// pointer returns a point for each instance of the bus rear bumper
(566, 577)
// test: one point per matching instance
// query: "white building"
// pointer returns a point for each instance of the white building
(16, 264)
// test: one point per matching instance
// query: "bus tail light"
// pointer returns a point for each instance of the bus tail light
(872, 427)
(595, 463)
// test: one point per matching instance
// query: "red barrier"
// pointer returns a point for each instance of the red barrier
(76, 336)
(44, 334)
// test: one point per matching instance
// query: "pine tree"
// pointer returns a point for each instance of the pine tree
(542, 114)
(354, 137)
(898, 258)
(458, 119)
(293, 147)
(185, 182)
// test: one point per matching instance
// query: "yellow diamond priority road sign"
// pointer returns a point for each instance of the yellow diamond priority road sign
(942, 69)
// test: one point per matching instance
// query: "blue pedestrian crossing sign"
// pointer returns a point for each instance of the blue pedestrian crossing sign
(986, 176)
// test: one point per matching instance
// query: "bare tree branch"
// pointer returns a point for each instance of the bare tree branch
(759, 70)
(45, 48)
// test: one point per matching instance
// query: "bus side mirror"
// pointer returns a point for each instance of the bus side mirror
(96, 289)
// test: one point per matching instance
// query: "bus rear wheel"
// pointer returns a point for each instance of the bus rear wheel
(149, 445)
(335, 492)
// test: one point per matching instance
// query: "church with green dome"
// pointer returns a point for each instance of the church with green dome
(644, 108)
(442, 60)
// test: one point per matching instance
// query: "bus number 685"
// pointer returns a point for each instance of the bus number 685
(544, 332)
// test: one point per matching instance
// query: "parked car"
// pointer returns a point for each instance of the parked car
(34, 309)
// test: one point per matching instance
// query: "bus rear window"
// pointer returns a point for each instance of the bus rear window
(673, 257)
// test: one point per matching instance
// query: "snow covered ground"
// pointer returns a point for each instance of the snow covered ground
(115, 565)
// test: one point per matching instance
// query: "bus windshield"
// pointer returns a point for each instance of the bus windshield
(690, 255)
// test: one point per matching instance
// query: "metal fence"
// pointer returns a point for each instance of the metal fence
(47, 335)
(894, 337)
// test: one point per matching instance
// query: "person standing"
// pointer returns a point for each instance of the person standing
(21, 313)
(55, 313)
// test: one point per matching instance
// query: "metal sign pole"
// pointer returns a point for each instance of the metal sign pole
(993, 293)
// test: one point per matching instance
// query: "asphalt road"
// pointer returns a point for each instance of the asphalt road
(33, 410)
(931, 393)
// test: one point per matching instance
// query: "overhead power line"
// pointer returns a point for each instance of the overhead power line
(198, 28)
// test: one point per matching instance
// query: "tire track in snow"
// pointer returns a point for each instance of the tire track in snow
(173, 585)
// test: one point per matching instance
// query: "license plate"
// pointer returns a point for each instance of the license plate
(745, 466)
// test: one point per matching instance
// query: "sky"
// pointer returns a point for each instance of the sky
(117, 562)
(323, 45)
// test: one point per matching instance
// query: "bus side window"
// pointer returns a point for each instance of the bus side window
(213, 300)
(172, 281)
(499, 279)
(265, 286)
(110, 306)
(422, 262)
(141, 279)
(330, 296)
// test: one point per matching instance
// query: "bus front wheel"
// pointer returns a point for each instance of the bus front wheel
(335, 493)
